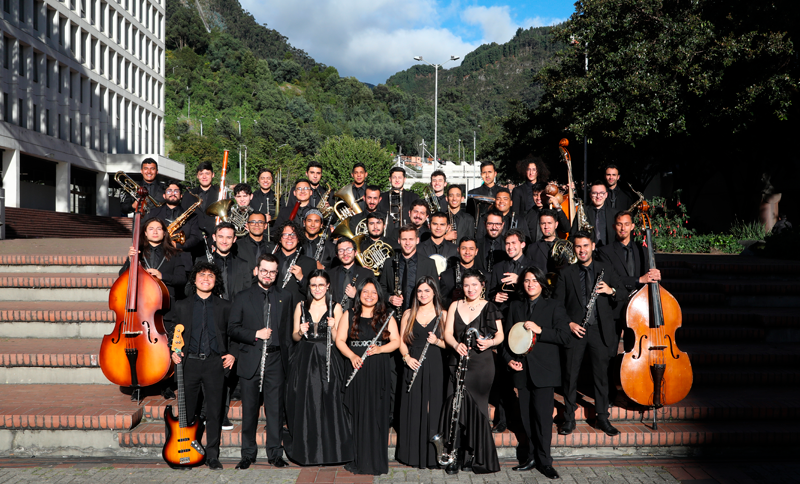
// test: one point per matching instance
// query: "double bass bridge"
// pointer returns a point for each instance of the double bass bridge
(131, 334)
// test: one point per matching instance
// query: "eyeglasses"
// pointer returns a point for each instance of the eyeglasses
(257, 222)
(175, 191)
(345, 251)
(288, 236)
(598, 194)
(302, 189)
(267, 273)
(494, 224)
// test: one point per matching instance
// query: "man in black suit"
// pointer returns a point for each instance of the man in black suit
(293, 268)
(450, 280)
(237, 273)
(502, 287)
(372, 198)
(436, 243)
(155, 188)
(512, 219)
(465, 223)
(359, 176)
(255, 243)
(396, 202)
(418, 213)
(574, 290)
(171, 210)
(205, 357)
(491, 247)
(488, 189)
(410, 266)
(301, 193)
(313, 225)
(264, 198)
(535, 172)
(261, 322)
(627, 256)
(208, 193)
(438, 184)
(532, 216)
(600, 215)
(314, 193)
(617, 198)
(539, 252)
(343, 275)
(538, 372)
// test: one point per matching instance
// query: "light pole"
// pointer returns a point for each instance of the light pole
(436, 102)
(245, 164)
(475, 146)
(201, 125)
(239, 122)
(189, 105)
(459, 150)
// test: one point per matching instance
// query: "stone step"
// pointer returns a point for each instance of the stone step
(25, 223)
(39, 264)
(26, 286)
(48, 269)
(67, 407)
(671, 434)
(55, 319)
(775, 375)
(722, 315)
(41, 360)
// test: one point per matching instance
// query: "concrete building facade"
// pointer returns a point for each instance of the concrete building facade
(82, 86)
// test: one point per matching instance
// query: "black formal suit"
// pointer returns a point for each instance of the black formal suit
(237, 275)
(264, 202)
(495, 285)
(207, 374)
(338, 283)
(607, 232)
(486, 253)
(618, 199)
(155, 190)
(190, 228)
(512, 217)
(328, 254)
(286, 212)
(478, 209)
(485, 191)
(408, 198)
(465, 225)
(450, 283)
(248, 249)
(299, 289)
(425, 267)
(208, 197)
(367, 242)
(446, 249)
(535, 231)
(599, 337)
(357, 218)
(539, 255)
(522, 197)
(247, 317)
(541, 371)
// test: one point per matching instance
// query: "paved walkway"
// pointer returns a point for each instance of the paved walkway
(635, 470)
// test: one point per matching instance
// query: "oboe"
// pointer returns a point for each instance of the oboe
(592, 300)
(328, 343)
(370, 345)
(323, 236)
(264, 351)
(422, 355)
(289, 269)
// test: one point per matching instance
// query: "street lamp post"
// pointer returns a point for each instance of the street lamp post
(459, 150)
(201, 125)
(436, 103)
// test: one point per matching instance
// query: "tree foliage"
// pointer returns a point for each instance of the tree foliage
(338, 154)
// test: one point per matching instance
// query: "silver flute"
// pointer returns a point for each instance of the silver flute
(592, 300)
(328, 343)
(289, 269)
(264, 351)
(371, 344)
(422, 355)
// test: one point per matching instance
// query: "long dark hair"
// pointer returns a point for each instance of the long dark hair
(540, 276)
(166, 245)
(318, 273)
(203, 266)
(378, 314)
(408, 335)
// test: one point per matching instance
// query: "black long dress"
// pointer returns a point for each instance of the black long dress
(421, 408)
(476, 432)
(366, 402)
(319, 429)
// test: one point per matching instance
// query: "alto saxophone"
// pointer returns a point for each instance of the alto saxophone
(323, 206)
(175, 226)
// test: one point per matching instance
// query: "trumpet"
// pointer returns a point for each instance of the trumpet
(131, 187)
(175, 226)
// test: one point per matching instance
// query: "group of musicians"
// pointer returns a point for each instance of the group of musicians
(396, 312)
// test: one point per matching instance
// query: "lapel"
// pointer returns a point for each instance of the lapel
(620, 253)
(538, 311)
(257, 303)
(542, 247)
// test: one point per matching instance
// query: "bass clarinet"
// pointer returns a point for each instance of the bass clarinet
(289, 269)
(370, 345)
(264, 352)
(422, 355)
(592, 300)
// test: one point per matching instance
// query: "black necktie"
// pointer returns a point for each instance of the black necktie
(404, 279)
(629, 259)
(224, 268)
(205, 346)
(613, 199)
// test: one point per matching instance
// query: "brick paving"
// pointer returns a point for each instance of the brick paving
(91, 248)
(55, 311)
(55, 280)
(43, 352)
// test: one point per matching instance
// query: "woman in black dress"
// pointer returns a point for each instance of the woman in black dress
(366, 399)
(477, 442)
(420, 408)
(318, 432)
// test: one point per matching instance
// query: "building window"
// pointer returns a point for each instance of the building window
(6, 108)
(71, 86)
(102, 59)
(47, 70)
(37, 7)
(60, 79)
(81, 83)
(7, 6)
(21, 61)
(36, 67)
(49, 20)
(71, 132)
(62, 30)
(6, 52)
(93, 10)
(21, 11)
(22, 121)
(47, 121)
(81, 137)
(36, 118)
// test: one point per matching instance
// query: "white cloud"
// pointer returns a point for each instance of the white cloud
(542, 21)
(373, 39)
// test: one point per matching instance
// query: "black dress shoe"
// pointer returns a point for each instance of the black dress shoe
(526, 466)
(245, 463)
(452, 468)
(606, 427)
(567, 428)
(467, 466)
(214, 464)
(548, 472)
(500, 427)
(279, 462)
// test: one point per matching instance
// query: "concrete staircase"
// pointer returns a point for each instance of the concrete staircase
(740, 328)
(28, 223)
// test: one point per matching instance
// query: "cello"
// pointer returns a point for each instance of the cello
(136, 353)
(655, 372)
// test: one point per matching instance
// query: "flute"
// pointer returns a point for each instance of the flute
(422, 356)
(371, 344)
(264, 351)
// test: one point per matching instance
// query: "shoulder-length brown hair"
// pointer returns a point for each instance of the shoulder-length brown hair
(408, 334)
(378, 314)
(166, 243)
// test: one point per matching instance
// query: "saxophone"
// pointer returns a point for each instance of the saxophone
(583, 221)
(175, 226)
(323, 206)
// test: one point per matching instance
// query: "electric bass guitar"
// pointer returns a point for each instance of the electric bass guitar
(182, 448)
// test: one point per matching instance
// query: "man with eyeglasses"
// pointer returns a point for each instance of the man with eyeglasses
(342, 275)
(315, 190)
(313, 225)
(171, 210)
(491, 246)
(600, 215)
(293, 269)
(252, 245)
(261, 321)
(512, 219)
(155, 188)
(302, 194)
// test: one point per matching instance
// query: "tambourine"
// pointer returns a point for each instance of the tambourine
(521, 340)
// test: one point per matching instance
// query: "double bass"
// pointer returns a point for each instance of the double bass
(655, 372)
(136, 353)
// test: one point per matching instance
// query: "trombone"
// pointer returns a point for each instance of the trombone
(131, 187)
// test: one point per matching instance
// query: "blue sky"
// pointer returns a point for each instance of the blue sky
(373, 39)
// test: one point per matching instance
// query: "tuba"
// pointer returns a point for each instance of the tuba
(131, 187)
(175, 226)
(347, 205)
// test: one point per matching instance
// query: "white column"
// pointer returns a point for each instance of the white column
(101, 204)
(11, 170)
(62, 186)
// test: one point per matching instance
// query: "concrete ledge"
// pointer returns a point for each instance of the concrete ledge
(53, 294)
(22, 443)
(73, 269)
(73, 376)
(38, 329)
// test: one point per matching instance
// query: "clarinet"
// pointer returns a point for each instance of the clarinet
(514, 221)
(422, 355)
(289, 269)
(328, 343)
(303, 317)
(397, 290)
(205, 245)
(371, 344)
(322, 238)
(264, 351)
(345, 298)
(592, 300)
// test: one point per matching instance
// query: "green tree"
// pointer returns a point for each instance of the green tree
(338, 154)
